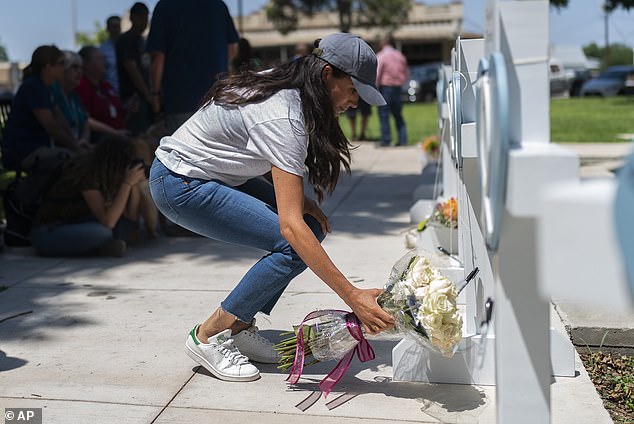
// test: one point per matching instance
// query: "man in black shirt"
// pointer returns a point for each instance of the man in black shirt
(133, 69)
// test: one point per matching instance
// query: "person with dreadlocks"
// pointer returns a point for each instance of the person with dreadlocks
(92, 206)
(235, 172)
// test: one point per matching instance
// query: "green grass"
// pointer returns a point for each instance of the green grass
(583, 120)
(576, 120)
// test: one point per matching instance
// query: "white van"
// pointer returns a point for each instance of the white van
(560, 78)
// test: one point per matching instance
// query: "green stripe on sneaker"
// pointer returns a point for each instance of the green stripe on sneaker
(193, 334)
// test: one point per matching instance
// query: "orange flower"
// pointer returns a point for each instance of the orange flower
(446, 213)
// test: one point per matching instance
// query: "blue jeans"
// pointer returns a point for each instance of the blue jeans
(392, 96)
(244, 215)
(78, 238)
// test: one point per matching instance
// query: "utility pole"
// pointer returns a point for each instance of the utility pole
(73, 9)
(240, 17)
(606, 51)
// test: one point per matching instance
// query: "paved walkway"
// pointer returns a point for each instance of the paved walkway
(100, 340)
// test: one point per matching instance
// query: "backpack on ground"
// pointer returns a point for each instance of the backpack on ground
(25, 194)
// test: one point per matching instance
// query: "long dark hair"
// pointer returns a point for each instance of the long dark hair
(42, 56)
(110, 160)
(328, 148)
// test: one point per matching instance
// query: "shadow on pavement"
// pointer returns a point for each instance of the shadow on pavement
(8, 363)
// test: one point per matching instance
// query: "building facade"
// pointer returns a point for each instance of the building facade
(427, 35)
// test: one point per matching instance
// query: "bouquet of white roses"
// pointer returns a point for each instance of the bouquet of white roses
(421, 300)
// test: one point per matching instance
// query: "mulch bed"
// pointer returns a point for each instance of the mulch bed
(613, 376)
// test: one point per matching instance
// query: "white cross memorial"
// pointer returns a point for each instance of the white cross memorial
(512, 185)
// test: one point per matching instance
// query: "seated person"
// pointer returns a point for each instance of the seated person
(101, 101)
(67, 100)
(92, 207)
(33, 129)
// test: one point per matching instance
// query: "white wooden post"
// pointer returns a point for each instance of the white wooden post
(519, 31)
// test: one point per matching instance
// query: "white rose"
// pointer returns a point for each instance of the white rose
(430, 322)
(441, 284)
(439, 303)
(420, 272)
(446, 336)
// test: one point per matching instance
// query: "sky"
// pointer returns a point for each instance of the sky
(26, 24)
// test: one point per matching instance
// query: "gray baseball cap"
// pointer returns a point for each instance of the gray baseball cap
(350, 54)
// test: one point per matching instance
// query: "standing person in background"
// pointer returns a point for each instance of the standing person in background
(392, 73)
(301, 50)
(365, 110)
(133, 66)
(191, 43)
(245, 60)
(108, 48)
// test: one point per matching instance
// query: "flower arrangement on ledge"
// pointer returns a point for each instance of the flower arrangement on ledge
(431, 147)
(444, 224)
(445, 214)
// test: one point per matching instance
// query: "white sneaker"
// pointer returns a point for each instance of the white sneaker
(256, 347)
(220, 357)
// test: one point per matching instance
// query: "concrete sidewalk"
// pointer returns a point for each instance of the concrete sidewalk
(598, 328)
(100, 340)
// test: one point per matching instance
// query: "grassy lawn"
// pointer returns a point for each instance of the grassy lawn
(577, 120)
(591, 119)
(421, 120)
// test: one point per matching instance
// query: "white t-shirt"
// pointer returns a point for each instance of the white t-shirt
(233, 144)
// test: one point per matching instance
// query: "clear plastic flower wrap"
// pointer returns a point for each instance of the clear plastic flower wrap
(334, 339)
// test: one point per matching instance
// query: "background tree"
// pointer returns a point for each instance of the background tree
(383, 14)
(386, 14)
(620, 54)
(608, 6)
(4, 56)
(98, 36)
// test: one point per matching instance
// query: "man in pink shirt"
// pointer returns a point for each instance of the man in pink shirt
(392, 72)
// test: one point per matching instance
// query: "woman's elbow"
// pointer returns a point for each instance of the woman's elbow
(287, 232)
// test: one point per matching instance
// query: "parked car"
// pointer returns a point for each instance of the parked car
(421, 86)
(581, 75)
(559, 78)
(613, 81)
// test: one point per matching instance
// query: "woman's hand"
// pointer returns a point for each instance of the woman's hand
(373, 318)
(135, 174)
(312, 208)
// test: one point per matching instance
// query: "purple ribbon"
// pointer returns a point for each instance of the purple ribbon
(363, 350)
